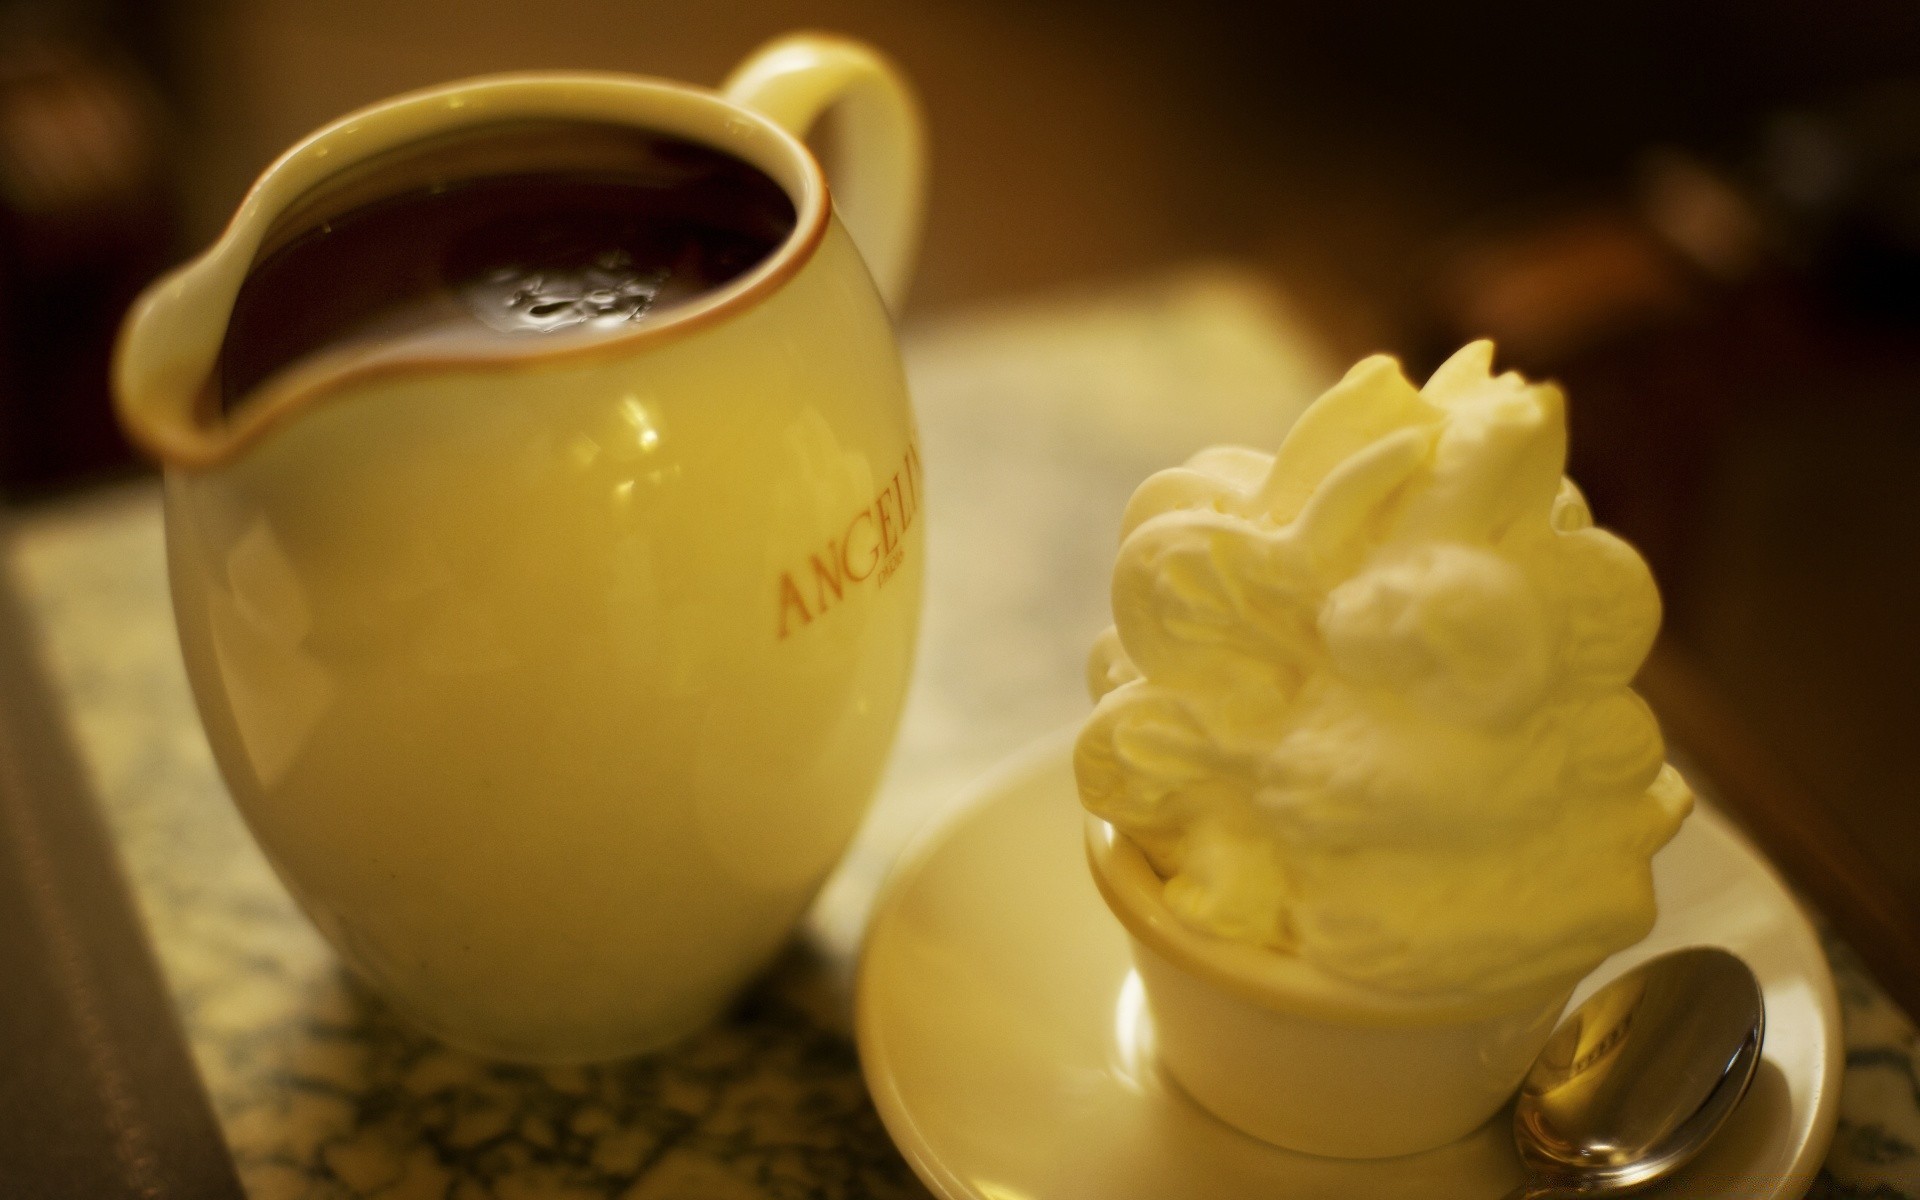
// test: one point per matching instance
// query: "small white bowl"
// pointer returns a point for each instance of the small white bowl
(1304, 1061)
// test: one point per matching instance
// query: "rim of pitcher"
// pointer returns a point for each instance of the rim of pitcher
(303, 170)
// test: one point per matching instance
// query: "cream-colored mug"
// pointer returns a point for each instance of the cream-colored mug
(554, 680)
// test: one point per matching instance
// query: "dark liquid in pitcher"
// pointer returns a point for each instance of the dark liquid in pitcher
(587, 229)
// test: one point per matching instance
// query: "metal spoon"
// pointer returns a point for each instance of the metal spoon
(1632, 1085)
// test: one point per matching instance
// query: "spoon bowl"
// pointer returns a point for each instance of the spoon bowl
(1633, 1084)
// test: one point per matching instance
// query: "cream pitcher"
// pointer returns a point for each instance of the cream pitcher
(552, 670)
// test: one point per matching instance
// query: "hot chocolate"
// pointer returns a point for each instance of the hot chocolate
(563, 227)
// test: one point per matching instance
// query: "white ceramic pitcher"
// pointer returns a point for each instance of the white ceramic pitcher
(553, 681)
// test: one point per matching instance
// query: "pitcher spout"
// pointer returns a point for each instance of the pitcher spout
(165, 365)
(165, 372)
(165, 375)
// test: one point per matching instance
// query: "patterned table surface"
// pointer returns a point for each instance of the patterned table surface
(1036, 421)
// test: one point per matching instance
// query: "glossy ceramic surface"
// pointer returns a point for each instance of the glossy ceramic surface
(554, 687)
(1005, 1036)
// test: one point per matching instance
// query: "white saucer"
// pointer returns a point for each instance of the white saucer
(1003, 1034)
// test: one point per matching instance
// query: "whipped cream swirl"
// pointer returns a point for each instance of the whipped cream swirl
(1366, 700)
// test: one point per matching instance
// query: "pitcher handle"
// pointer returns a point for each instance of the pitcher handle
(879, 184)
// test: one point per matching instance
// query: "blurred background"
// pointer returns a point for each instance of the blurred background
(1703, 216)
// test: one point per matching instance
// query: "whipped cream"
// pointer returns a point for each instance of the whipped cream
(1366, 700)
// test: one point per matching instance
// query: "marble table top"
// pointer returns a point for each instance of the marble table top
(1036, 420)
